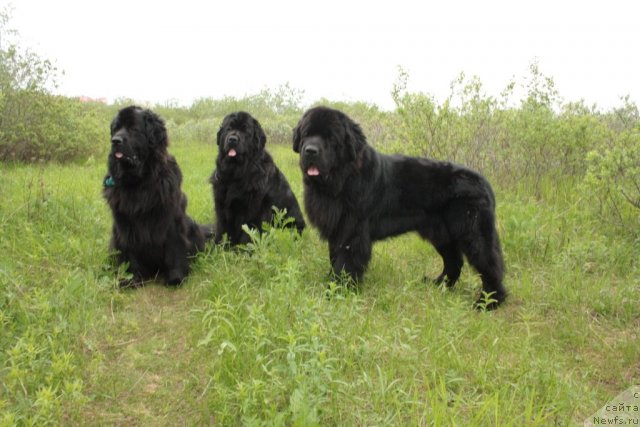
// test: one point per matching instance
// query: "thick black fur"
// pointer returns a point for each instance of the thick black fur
(151, 230)
(246, 182)
(355, 196)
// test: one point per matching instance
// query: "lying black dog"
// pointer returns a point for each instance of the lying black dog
(151, 230)
(246, 182)
(355, 196)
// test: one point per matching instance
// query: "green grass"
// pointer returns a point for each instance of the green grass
(260, 336)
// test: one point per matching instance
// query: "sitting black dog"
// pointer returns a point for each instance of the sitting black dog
(151, 230)
(246, 182)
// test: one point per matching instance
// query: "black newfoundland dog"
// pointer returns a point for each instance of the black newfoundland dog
(151, 230)
(246, 182)
(355, 196)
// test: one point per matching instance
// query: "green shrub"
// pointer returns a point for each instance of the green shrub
(36, 126)
(613, 178)
(277, 111)
(509, 140)
(424, 124)
(581, 129)
(203, 130)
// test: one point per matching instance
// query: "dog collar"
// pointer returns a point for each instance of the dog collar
(109, 181)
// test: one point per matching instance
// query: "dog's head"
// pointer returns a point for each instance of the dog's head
(240, 138)
(138, 140)
(329, 143)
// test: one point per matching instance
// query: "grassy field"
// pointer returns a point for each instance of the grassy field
(259, 336)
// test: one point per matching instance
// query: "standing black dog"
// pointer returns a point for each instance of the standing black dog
(246, 182)
(151, 230)
(355, 196)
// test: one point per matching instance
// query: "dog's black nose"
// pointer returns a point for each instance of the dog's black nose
(311, 150)
(232, 139)
(117, 140)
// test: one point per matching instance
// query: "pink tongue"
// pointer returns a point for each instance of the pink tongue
(232, 153)
(313, 171)
(118, 155)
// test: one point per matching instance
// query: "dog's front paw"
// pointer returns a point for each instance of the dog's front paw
(175, 278)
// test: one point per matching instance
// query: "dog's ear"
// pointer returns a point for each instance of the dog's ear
(155, 129)
(112, 126)
(219, 136)
(259, 134)
(297, 137)
(354, 138)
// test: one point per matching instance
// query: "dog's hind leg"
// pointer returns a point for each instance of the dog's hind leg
(453, 261)
(485, 256)
(437, 233)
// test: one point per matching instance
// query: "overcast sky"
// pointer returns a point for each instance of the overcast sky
(154, 51)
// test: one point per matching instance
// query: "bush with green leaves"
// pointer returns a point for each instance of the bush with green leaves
(613, 166)
(613, 178)
(424, 124)
(532, 138)
(277, 111)
(35, 125)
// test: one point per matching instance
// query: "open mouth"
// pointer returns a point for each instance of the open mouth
(125, 160)
(232, 153)
(313, 171)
